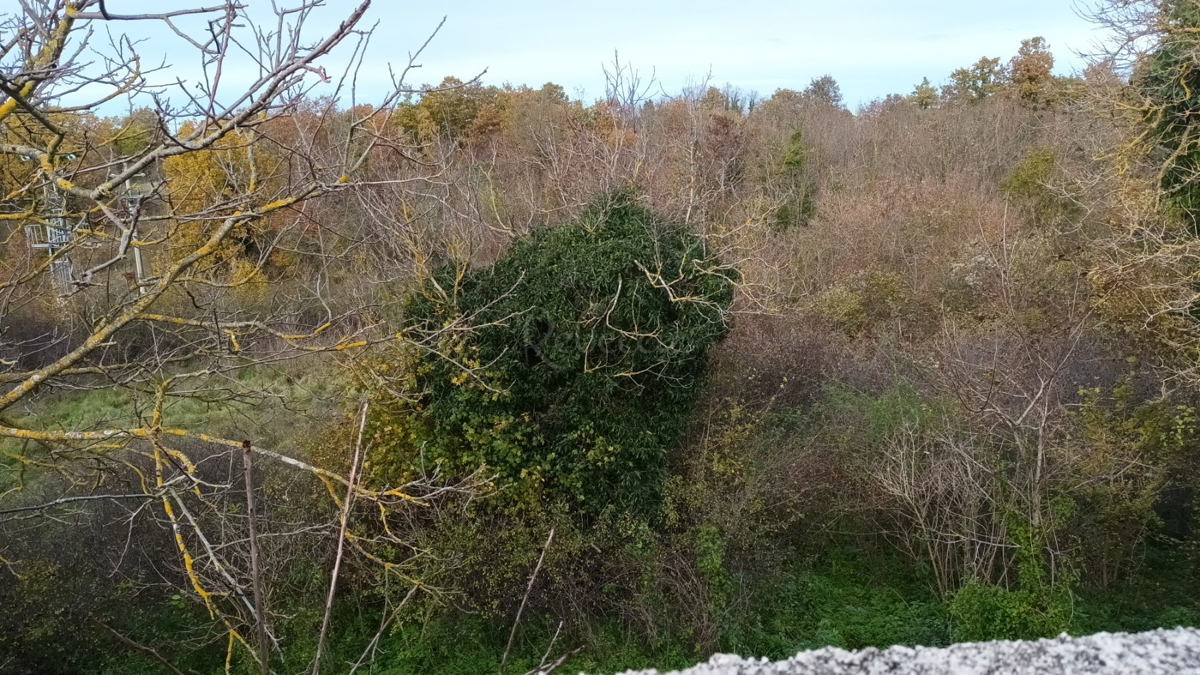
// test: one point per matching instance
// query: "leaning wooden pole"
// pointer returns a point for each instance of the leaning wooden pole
(264, 652)
(337, 560)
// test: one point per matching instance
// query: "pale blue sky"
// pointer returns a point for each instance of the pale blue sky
(872, 47)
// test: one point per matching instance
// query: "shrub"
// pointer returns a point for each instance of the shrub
(1037, 607)
(982, 612)
(849, 597)
(870, 298)
(568, 367)
(1030, 182)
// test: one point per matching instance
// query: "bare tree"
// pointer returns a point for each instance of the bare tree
(143, 254)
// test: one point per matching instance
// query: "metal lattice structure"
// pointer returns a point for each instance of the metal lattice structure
(54, 233)
(53, 236)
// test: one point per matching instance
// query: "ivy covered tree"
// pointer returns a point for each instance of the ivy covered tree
(568, 368)
(1167, 82)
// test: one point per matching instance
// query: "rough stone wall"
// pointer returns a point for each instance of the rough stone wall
(1166, 652)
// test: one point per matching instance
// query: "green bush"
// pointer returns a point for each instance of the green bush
(1038, 606)
(567, 368)
(851, 598)
(710, 563)
(1030, 184)
(870, 298)
(1168, 81)
(982, 612)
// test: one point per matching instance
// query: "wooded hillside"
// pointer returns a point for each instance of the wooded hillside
(471, 378)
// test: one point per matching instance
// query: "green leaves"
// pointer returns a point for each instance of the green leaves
(1169, 82)
(585, 351)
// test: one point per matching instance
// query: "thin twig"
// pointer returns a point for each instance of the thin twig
(68, 500)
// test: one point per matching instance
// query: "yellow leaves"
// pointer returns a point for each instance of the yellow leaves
(246, 273)
(228, 172)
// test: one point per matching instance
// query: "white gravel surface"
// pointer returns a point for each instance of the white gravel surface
(1170, 652)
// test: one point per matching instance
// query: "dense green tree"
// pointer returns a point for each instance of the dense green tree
(450, 108)
(136, 132)
(924, 95)
(824, 90)
(971, 85)
(588, 348)
(798, 186)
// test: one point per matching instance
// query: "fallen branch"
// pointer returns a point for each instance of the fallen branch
(137, 646)
(546, 670)
(529, 589)
(382, 627)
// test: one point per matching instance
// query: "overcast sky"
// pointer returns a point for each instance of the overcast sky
(872, 47)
